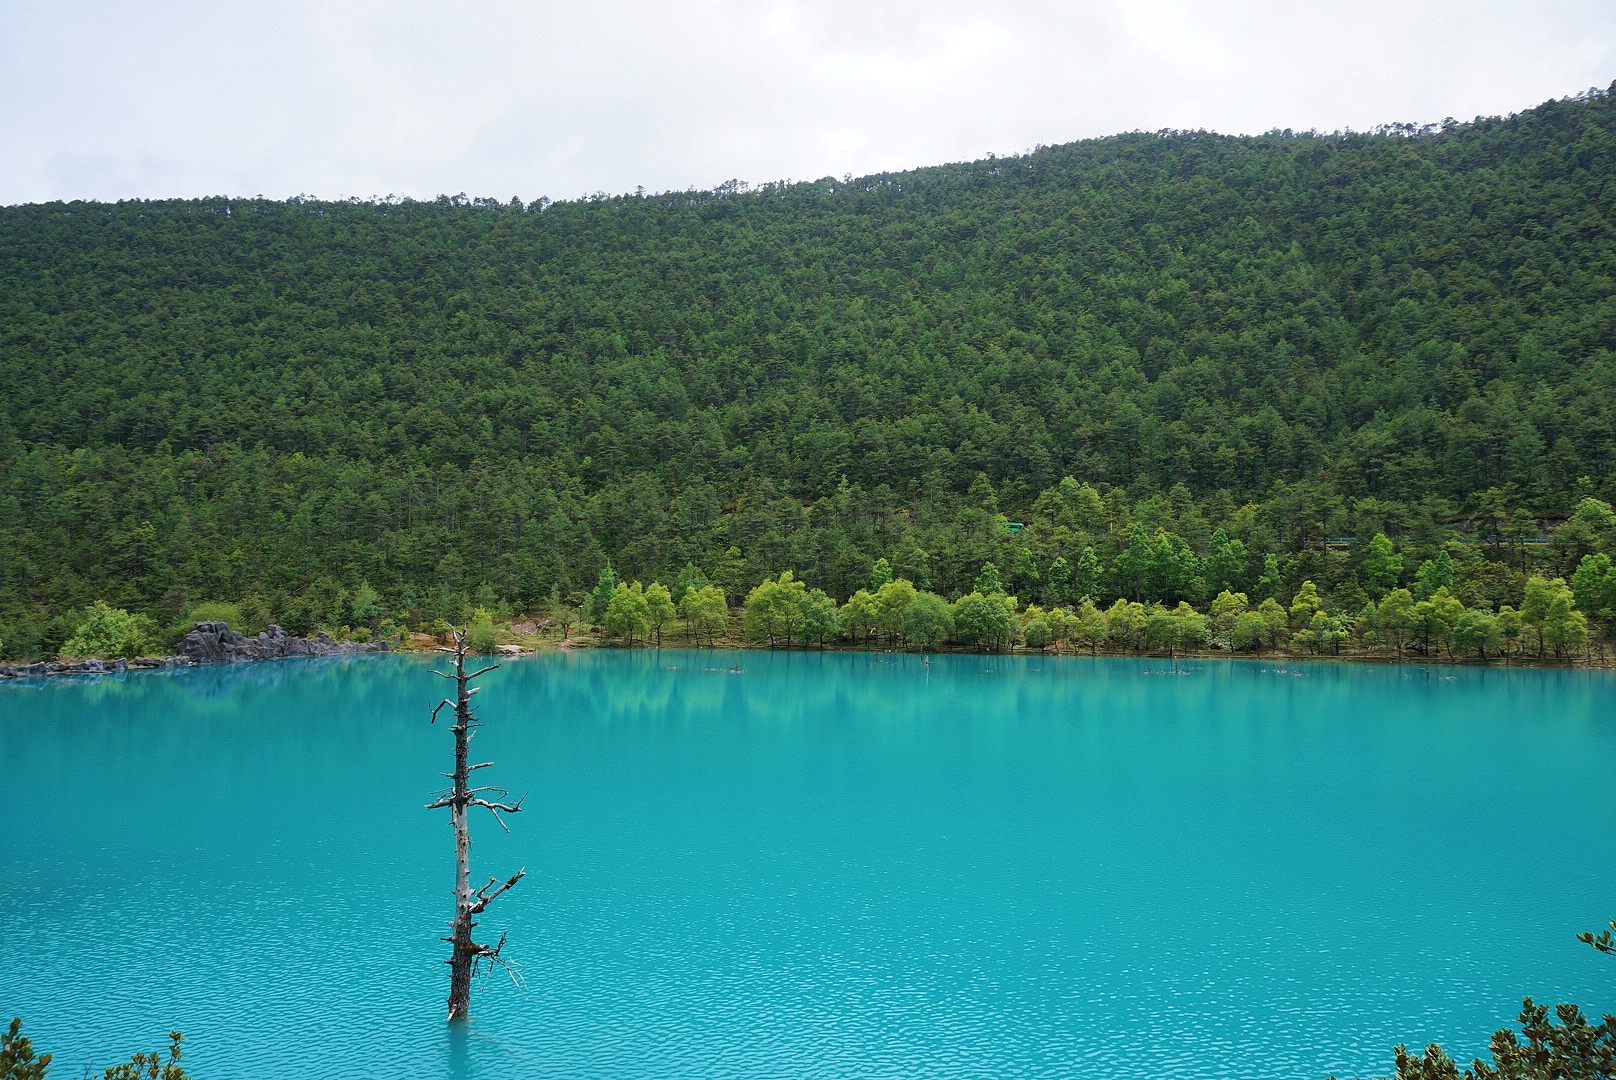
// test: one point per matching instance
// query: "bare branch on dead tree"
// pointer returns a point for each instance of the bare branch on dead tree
(495, 959)
(484, 897)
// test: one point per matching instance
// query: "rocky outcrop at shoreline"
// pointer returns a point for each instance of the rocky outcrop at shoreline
(209, 643)
(216, 643)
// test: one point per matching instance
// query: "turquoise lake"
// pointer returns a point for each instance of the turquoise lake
(813, 865)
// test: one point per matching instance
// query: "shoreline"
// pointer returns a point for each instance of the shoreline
(590, 641)
(216, 643)
(206, 643)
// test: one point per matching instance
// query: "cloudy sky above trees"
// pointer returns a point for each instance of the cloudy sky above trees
(504, 98)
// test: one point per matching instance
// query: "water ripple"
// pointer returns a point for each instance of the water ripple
(837, 866)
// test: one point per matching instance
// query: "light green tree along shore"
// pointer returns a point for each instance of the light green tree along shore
(1154, 595)
(1428, 621)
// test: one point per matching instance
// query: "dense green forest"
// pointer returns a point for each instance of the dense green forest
(1250, 354)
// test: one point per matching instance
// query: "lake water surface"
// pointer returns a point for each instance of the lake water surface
(842, 865)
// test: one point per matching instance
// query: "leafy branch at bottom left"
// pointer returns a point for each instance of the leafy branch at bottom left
(19, 1062)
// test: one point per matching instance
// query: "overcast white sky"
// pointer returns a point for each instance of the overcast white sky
(335, 98)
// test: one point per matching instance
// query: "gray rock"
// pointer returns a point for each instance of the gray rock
(208, 642)
(212, 643)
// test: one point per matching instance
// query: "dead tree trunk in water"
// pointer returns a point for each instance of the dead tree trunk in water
(466, 955)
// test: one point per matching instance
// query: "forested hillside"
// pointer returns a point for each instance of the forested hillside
(1279, 345)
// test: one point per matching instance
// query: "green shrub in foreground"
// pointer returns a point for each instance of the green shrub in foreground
(19, 1062)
